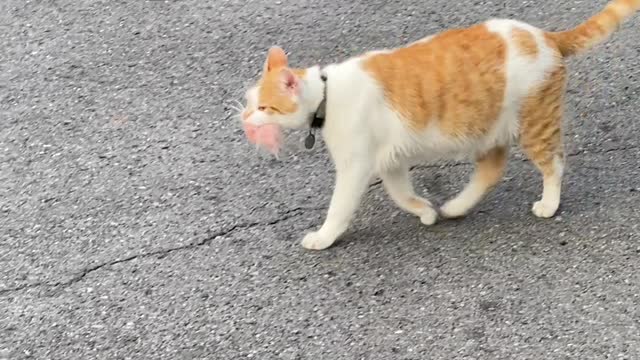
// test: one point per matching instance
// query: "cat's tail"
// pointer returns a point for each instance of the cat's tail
(595, 30)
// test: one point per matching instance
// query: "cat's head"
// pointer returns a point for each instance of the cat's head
(275, 102)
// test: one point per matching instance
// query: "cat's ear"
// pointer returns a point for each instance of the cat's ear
(290, 82)
(276, 58)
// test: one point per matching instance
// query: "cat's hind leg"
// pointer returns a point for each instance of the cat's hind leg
(397, 182)
(489, 169)
(541, 139)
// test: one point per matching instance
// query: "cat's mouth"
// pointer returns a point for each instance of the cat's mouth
(268, 136)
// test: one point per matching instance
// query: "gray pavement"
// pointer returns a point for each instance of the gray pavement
(136, 223)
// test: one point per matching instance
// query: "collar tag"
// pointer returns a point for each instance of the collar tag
(317, 117)
(310, 140)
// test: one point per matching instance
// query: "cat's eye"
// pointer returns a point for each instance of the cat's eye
(269, 109)
(275, 110)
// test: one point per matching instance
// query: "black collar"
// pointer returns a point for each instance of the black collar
(317, 120)
(317, 117)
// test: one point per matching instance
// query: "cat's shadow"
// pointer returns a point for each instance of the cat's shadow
(506, 212)
(404, 233)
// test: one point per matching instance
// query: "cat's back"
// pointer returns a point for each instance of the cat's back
(463, 77)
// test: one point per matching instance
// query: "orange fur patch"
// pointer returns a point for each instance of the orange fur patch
(271, 95)
(301, 73)
(596, 29)
(456, 79)
(272, 98)
(541, 121)
(525, 42)
(490, 166)
(416, 204)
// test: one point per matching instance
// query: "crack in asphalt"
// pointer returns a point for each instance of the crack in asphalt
(607, 151)
(287, 215)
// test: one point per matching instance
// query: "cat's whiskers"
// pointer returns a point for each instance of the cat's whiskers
(236, 108)
(239, 108)
(241, 105)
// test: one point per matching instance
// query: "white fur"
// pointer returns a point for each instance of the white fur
(366, 137)
(423, 40)
(548, 205)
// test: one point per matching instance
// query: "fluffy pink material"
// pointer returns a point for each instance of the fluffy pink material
(267, 136)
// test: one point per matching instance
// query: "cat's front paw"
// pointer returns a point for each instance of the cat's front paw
(315, 241)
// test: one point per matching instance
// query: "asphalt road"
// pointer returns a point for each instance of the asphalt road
(137, 223)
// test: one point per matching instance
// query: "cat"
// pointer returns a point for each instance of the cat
(468, 92)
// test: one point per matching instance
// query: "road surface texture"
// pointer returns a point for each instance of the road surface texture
(137, 223)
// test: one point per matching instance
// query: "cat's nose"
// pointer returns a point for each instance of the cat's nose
(246, 114)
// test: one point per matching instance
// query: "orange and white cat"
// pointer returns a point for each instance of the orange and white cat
(461, 93)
